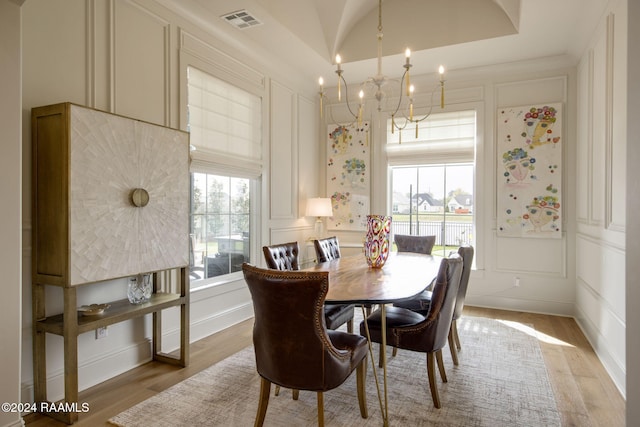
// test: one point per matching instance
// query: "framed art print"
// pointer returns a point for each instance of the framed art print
(348, 175)
(529, 171)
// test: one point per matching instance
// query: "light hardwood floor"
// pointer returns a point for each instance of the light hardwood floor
(585, 394)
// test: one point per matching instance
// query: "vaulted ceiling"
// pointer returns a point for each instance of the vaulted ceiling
(349, 27)
(458, 33)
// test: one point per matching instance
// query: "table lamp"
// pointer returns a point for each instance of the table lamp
(319, 207)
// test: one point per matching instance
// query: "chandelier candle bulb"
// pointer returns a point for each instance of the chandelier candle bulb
(407, 65)
(411, 103)
(339, 73)
(361, 95)
(441, 71)
(321, 83)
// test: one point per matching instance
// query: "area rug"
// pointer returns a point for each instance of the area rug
(501, 381)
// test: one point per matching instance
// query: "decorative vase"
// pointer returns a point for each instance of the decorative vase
(140, 289)
(376, 242)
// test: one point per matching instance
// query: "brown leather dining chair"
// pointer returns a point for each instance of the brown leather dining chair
(466, 252)
(323, 359)
(419, 245)
(328, 249)
(285, 257)
(409, 330)
(422, 302)
(415, 244)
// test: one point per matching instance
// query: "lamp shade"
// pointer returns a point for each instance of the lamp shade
(319, 206)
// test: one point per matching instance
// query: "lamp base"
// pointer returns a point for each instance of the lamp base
(318, 228)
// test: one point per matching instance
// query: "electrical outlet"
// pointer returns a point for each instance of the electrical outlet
(102, 333)
(516, 281)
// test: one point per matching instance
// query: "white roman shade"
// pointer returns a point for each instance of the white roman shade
(442, 137)
(225, 124)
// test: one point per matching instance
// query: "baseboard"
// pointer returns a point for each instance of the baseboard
(219, 321)
(16, 423)
(555, 308)
(96, 370)
(108, 365)
(615, 369)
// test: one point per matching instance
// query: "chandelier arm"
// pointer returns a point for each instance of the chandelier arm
(334, 121)
(400, 98)
(430, 107)
(346, 97)
(406, 122)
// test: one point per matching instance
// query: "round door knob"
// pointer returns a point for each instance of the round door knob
(139, 197)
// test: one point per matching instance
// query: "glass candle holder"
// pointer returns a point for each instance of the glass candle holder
(139, 289)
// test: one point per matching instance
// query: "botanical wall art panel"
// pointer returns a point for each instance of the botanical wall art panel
(529, 171)
(348, 175)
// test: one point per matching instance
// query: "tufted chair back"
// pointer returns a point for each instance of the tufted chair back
(416, 244)
(327, 249)
(283, 256)
(432, 333)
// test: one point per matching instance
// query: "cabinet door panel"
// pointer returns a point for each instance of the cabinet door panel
(164, 173)
(104, 223)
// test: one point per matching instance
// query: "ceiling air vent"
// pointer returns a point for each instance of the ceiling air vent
(241, 19)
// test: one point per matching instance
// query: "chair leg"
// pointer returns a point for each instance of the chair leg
(320, 409)
(454, 327)
(294, 393)
(431, 371)
(361, 376)
(265, 390)
(452, 347)
(350, 326)
(395, 352)
(380, 356)
(443, 374)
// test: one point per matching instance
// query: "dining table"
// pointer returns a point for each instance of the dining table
(403, 276)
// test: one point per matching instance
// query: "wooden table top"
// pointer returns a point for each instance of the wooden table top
(403, 276)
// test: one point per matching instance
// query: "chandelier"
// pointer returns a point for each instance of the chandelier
(377, 82)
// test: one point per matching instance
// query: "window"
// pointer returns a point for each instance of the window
(220, 224)
(434, 200)
(432, 179)
(225, 126)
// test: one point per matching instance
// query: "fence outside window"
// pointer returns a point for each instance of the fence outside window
(448, 233)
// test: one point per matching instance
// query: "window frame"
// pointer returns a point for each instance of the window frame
(228, 166)
(429, 158)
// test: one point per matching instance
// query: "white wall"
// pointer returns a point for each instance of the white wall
(601, 190)
(10, 209)
(129, 57)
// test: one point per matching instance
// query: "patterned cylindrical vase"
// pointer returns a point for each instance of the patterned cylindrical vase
(376, 242)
